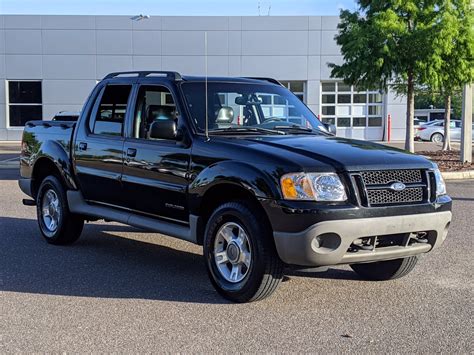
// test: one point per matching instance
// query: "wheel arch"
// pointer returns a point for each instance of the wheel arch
(220, 184)
(52, 159)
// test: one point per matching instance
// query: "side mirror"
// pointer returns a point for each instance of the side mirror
(164, 129)
(331, 128)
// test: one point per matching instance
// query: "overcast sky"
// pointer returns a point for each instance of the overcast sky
(175, 7)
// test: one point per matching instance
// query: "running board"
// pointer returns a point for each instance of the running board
(78, 205)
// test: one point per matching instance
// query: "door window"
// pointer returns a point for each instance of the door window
(154, 103)
(110, 114)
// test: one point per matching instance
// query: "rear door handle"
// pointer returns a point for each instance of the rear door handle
(82, 146)
(131, 152)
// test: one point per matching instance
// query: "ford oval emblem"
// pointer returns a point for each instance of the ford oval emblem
(398, 186)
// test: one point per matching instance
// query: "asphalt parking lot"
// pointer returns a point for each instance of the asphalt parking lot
(121, 290)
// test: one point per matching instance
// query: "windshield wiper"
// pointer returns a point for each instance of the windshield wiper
(246, 129)
(296, 129)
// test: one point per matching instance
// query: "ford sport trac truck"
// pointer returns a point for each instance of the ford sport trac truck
(240, 166)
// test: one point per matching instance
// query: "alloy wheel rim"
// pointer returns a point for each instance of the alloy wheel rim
(232, 254)
(50, 209)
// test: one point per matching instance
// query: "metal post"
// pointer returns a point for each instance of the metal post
(466, 133)
(389, 127)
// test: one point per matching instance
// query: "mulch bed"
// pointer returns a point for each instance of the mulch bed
(447, 160)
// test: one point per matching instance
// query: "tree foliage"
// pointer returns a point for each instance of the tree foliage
(453, 59)
(384, 41)
(402, 43)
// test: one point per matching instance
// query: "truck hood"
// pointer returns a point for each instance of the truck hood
(345, 154)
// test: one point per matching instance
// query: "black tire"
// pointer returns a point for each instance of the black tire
(69, 226)
(435, 137)
(266, 269)
(385, 270)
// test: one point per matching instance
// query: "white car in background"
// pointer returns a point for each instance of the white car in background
(434, 131)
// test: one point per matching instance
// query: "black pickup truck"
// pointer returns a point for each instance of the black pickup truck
(240, 166)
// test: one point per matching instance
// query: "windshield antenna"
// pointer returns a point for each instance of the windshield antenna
(205, 87)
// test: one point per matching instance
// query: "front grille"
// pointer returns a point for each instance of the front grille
(387, 176)
(382, 197)
(374, 187)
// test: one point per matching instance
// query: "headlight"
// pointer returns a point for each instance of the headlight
(440, 184)
(313, 186)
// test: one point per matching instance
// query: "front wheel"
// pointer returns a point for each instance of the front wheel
(57, 224)
(240, 255)
(385, 270)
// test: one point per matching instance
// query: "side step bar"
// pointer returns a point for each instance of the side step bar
(77, 204)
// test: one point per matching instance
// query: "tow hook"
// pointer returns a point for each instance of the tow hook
(420, 237)
(362, 244)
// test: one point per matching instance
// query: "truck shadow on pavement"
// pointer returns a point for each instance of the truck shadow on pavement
(99, 265)
(106, 265)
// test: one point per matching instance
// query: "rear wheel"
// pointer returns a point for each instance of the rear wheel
(240, 255)
(437, 138)
(57, 224)
(385, 270)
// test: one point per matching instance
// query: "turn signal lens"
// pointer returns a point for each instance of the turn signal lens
(288, 187)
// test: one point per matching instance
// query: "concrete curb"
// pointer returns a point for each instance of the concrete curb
(458, 175)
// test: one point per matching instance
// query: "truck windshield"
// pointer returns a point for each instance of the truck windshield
(265, 109)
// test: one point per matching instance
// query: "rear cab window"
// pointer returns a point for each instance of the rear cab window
(108, 116)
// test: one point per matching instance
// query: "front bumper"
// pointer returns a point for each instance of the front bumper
(329, 242)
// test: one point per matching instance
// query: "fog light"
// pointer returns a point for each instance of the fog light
(326, 243)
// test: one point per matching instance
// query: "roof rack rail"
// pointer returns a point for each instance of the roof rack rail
(271, 80)
(143, 74)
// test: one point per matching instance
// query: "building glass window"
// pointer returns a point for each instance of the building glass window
(358, 122)
(296, 87)
(348, 106)
(375, 121)
(24, 102)
(343, 121)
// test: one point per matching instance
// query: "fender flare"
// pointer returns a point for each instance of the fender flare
(259, 183)
(57, 154)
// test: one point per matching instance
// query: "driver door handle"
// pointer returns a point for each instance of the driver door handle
(131, 152)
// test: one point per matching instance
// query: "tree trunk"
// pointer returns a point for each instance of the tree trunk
(409, 138)
(447, 120)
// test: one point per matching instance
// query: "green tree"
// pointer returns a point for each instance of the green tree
(453, 60)
(390, 42)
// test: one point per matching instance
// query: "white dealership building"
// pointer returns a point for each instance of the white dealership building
(50, 63)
